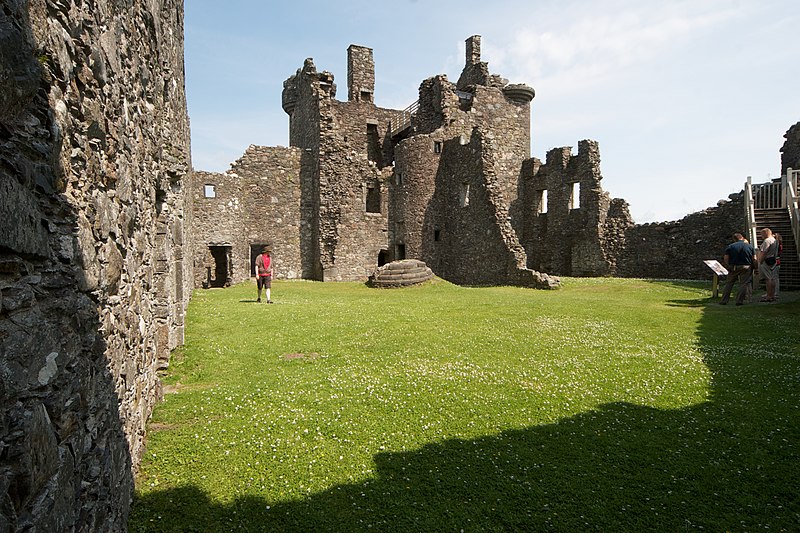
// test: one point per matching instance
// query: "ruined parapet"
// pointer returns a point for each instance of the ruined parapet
(476, 72)
(519, 93)
(289, 94)
(676, 249)
(564, 228)
(94, 251)
(402, 273)
(790, 152)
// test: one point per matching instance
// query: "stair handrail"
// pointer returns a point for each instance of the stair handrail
(749, 211)
(403, 118)
(792, 203)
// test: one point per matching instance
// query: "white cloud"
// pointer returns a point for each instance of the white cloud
(588, 46)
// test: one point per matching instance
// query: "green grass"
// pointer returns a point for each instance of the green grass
(609, 405)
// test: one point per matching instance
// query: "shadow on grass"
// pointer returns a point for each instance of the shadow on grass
(730, 463)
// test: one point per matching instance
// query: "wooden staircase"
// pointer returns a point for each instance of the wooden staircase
(778, 221)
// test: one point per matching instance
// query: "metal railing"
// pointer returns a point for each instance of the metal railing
(750, 211)
(781, 194)
(404, 118)
(791, 179)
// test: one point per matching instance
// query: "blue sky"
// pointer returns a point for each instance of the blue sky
(686, 99)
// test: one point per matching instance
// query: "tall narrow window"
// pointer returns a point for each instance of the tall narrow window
(437, 147)
(373, 144)
(373, 200)
(575, 196)
(209, 191)
(398, 178)
(541, 206)
(464, 200)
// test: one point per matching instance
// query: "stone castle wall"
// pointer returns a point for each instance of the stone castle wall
(345, 151)
(676, 249)
(576, 233)
(256, 203)
(94, 269)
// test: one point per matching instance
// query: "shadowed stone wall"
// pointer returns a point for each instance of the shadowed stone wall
(94, 269)
(581, 228)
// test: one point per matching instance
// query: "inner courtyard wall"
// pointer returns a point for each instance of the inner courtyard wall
(257, 202)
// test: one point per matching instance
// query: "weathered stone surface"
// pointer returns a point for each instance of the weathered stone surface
(676, 249)
(790, 152)
(94, 147)
(257, 202)
(402, 273)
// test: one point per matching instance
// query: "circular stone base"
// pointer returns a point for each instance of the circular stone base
(400, 274)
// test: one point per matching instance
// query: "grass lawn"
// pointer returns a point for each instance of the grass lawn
(609, 405)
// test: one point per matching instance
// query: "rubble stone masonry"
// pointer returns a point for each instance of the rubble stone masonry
(790, 151)
(256, 203)
(94, 268)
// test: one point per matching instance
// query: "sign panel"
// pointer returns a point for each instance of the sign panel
(715, 265)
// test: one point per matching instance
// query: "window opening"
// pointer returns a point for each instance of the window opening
(464, 194)
(366, 96)
(373, 200)
(575, 196)
(209, 191)
(541, 208)
(437, 147)
(398, 179)
(437, 234)
(400, 251)
(373, 144)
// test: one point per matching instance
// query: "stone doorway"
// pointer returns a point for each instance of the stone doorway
(255, 250)
(221, 274)
(382, 256)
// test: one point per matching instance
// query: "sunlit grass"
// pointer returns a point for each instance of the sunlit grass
(603, 405)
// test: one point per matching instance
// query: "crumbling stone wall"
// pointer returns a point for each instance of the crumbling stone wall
(343, 182)
(577, 233)
(456, 177)
(257, 202)
(676, 249)
(790, 152)
(94, 147)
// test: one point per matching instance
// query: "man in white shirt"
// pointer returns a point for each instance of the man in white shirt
(767, 259)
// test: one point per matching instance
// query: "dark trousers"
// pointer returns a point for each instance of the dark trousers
(745, 276)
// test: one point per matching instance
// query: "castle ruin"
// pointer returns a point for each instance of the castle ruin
(449, 180)
(104, 229)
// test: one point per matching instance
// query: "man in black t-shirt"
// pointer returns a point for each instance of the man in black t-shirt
(739, 260)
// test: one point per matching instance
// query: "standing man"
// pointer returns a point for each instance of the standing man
(739, 260)
(264, 272)
(767, 263)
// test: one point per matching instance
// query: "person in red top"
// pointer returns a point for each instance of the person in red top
(264, 272)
